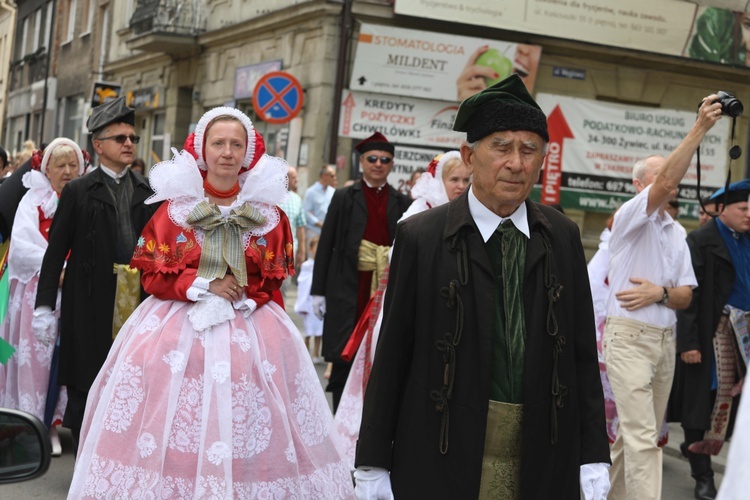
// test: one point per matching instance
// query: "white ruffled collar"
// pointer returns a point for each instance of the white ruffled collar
(179, 182)
(41, 192)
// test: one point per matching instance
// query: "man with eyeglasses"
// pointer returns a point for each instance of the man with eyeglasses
(353, 252)
(96, 226)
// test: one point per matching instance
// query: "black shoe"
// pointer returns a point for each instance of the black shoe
(705, 489)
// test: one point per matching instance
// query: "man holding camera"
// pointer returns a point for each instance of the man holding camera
(650, 276)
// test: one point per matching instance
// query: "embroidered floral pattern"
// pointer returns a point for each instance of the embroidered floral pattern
(108, 478)
(220, 371)
(127, 396)
(184, 435)
(309, 410)
(43, 352)
(241, 338)
(291, 455)
(146, 444)
(251, 419)
(149, 325)
(269, 369)
(217, 452)
(23, 352)
(175, 360)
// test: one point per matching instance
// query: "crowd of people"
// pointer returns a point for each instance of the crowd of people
(470, 345)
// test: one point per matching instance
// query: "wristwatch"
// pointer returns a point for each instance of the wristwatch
(665, 297)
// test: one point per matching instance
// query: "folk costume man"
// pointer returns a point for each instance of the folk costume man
(97, 222)
(353, 251)
(650, 277)
(707, 333)
(485, 376)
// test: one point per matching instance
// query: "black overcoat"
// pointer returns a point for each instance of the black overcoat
(85, 225)
(691, 401)
(401, 427)
(335, 274)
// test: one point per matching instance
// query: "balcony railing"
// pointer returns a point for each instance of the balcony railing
(169, 26)
(179, 17)
(29, 69)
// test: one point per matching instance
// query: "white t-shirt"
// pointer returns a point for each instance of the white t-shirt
(649, 247)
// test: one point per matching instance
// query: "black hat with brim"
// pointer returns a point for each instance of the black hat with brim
(109, 112)
(506, 105)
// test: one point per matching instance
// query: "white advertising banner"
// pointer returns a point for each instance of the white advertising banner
(400, 119)
(436, 66)
(593, 147)
(662, 26)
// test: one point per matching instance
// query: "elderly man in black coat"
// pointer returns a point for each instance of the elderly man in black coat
(701, 397)
(485, 382)
(95, 228)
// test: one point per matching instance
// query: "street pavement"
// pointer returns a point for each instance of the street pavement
(677, 484)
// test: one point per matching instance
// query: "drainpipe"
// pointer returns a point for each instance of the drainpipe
(346, 29)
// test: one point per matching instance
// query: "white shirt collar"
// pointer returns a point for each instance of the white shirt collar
(112, 173)
(487, 220)
(374, 187)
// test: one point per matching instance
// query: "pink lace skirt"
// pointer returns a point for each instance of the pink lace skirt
(24, 379)
(233, 411)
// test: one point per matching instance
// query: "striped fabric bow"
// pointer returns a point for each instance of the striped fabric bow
(222, 243)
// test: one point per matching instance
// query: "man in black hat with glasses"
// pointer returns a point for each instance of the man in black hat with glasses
(353, 251)
(95, 229)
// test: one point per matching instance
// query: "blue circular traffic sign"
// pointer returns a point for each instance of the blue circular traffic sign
(278, 97)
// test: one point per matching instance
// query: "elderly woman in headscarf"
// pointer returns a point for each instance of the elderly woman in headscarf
(445, 179)
(208, 390)
(25, 379)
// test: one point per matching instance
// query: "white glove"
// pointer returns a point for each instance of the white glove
(372, 483)
(594, 481)
(43, 325)
(319, 306)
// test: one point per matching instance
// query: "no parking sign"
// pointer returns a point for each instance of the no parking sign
(278, 97)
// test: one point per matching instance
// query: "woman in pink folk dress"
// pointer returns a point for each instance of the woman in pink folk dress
(446, 178)
(25, 379)
(208, 390)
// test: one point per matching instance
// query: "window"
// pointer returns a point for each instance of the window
(87, 10)
(37, 30)
(157, 137)
(68, 20)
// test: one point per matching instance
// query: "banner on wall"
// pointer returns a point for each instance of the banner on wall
(401, 119)
(594, 145)
(671, 27)
(436, 66)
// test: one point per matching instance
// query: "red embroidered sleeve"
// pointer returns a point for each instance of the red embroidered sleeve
(164, 247)
(273, 252)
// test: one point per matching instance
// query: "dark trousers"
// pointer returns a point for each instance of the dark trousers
(337, 381)
(700, 465)
(73, 418)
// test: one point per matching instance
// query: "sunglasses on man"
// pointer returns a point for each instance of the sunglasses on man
(120, 139)
(385, 160)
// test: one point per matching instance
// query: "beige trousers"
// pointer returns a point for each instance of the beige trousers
(640, 362)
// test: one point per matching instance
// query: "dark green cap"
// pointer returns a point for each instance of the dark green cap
(506, 105)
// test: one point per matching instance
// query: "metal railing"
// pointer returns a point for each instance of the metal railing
(179, 17)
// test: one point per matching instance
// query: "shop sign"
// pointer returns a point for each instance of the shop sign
(148, 97)
(594, 145)
(104, 91)
(435, 66)
(246, 77)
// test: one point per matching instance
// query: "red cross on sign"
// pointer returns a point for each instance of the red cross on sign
(278, 97)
